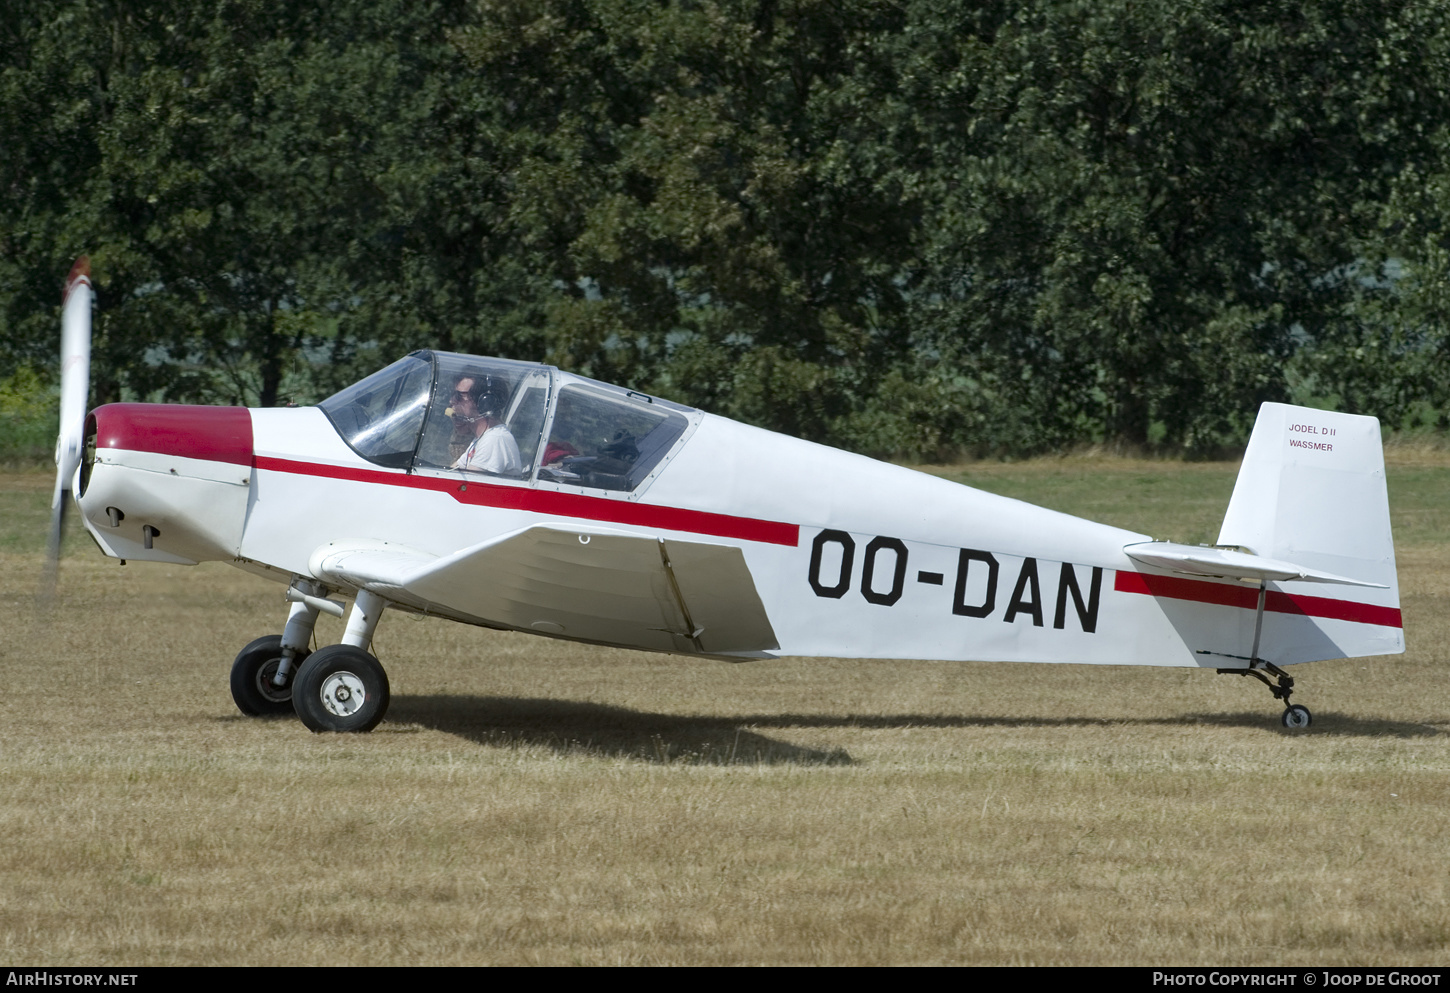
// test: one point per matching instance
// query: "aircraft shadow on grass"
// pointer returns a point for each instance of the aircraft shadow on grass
(1334, 724)
(600, 729)
(594, 728)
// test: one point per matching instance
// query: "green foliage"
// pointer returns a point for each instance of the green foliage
(29, 420)
(233, 170)
(718, 233)
(1144, 203)
(1386, 353)
(912, 228)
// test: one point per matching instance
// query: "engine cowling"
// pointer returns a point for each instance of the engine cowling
(166, 482)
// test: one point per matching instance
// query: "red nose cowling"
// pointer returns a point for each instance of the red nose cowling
(219, 434)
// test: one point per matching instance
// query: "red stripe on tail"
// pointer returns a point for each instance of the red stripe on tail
(1247, 597)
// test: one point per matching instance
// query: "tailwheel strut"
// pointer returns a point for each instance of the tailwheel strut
(1258, 667)
(1295, 716)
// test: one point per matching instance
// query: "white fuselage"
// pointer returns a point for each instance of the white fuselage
(850, 557)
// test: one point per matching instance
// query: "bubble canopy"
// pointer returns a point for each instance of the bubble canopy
(433, 411)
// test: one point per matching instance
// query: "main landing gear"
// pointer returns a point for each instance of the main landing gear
(255, 686)
(337, 688)
(341, 688)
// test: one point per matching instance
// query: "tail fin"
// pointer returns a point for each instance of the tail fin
(1312, 491)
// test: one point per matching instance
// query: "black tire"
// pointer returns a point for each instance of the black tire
(252, 674)
(326, 691)
(1296, 718)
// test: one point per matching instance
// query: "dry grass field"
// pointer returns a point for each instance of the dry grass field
(530, 801)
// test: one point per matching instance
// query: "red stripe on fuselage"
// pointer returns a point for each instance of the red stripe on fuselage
(220, 434)
(481, 494)
(1222, 594)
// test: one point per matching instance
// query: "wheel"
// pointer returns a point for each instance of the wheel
(1296, 717)
(340, 688)
(252, 674)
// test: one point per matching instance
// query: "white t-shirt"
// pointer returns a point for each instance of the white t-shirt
(493, 451)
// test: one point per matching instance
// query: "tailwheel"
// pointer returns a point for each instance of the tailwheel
(340, 688)
(254, 684)
(1296, 717)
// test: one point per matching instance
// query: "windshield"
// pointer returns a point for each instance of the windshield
(380, 417)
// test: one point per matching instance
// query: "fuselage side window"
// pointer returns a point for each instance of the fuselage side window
(526, 416)
(485, 417)
(607, 441)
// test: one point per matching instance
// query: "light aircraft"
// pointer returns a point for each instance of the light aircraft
(624, 519)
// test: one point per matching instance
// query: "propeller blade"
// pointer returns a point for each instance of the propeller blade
(75, 387)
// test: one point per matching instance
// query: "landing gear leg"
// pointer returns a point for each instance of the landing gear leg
(342, 687)
(301, 621)
(1295, 716)
(367, 610)
(262, 673)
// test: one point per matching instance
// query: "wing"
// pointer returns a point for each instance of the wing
(586, 584)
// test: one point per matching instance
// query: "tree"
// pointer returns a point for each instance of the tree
(903, 227)
(1145, 207)
(232, 169)
(1387, 352)
(718, 212)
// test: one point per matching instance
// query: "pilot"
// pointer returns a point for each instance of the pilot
(479, 404)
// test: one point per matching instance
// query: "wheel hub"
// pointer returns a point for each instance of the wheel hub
(343, 694)
(1296, 717)
(267, 688)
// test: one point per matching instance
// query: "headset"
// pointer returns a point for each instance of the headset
(490, 397)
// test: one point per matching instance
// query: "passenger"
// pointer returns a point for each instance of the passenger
(480, 402)
(557, 451)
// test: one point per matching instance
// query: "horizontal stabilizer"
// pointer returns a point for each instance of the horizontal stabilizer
(1202, 560)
